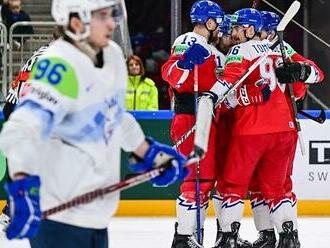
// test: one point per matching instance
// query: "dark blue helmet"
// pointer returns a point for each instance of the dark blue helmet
(203, 10)
(270, 20)
(225, 26)
(248, 16)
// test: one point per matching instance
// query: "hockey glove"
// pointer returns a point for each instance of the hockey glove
(254, 94)
(194, 55)
(293, 72)
(249, 94)
(24, 205)
(160, 155)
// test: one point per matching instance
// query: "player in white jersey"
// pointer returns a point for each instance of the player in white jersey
(68, 130)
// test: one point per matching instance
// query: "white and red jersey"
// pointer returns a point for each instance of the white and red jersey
(274, 115)
(182, 80)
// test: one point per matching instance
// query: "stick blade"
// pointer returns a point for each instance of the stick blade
(322, 116)
(291, 12)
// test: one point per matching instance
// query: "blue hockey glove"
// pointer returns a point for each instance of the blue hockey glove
(194, 55)
(158, 155)
(24, 205)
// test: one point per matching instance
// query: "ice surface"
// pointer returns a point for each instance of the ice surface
(158, 232)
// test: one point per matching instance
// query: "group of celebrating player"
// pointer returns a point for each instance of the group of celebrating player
(77, 125)
(253, 135)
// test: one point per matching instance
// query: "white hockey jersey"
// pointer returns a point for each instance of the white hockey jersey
(69, 128)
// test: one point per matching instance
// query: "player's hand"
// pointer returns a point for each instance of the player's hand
(160, 155)
(24, 207)
(292, 72)
(194, 55)
(254, 93)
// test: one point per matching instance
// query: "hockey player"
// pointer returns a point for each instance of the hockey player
(225, 118)
(267, 237)
(264, 134)
(12, 98)
(68, 130)
(190, 49)
(226, 42)
(11, 101)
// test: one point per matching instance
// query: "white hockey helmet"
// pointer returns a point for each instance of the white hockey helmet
(61, 9)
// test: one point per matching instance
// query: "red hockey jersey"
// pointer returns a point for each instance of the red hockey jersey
(274, 115)
(183, 80)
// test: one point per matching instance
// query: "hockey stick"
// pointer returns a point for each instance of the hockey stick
(198, 185)
(319, 119)
(120, 186)
(280, 29)
(322, 117)
(299, 25)
(204, 114)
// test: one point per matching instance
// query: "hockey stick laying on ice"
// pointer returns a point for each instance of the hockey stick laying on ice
(120, 186)
(205, 108)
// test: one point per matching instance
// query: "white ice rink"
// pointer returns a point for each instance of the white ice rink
(158, 233)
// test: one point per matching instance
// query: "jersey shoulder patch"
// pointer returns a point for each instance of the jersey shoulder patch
(58, 73)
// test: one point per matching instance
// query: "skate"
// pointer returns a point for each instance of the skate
(267, 239)
(288, 238)
(296, 240)
(241, 243)
(185, 241)
(228, 239)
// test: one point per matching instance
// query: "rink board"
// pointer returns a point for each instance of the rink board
(311, 172)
